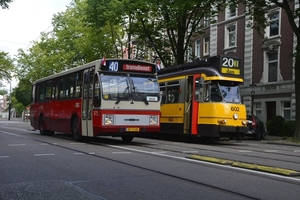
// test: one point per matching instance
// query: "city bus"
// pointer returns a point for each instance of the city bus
(106, 97)
(203, 99)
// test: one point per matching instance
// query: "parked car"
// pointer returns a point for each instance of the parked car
(256, 127)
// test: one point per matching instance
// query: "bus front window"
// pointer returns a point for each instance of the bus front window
(115, 87)
(145, 89)
(122, 87)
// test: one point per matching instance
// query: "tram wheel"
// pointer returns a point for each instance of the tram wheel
(127, 138)
(75, 130)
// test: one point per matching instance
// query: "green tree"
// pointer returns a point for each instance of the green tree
(6, 66)
(23, 92)
(165, 26)
(4, 3)
(256, 10)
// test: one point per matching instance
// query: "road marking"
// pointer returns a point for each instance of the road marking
(79, 153)
(14, 145)
(46, 154)
(4, 156)
(208, 163)
(296, 151)
(158, 152)
(189, 152)
(92, 153)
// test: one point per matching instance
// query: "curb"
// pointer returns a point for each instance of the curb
(251, 166)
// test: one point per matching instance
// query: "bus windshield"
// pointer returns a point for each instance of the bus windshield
(123, 87)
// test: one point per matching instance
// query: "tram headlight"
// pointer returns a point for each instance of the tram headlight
(222, 121)
(235, 116)
(108, 119)
(153, 120)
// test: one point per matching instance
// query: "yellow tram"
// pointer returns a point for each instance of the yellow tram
(203, 99)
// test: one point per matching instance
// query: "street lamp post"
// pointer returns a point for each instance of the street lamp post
(252, 96)
(9, 101)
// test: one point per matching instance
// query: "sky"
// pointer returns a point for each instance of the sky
(23, 22)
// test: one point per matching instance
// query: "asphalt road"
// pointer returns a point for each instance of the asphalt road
(42, 167)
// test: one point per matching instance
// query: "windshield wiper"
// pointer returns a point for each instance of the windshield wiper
(125, 92)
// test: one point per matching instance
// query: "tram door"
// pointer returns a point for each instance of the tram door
(87, 104)
(188, 104)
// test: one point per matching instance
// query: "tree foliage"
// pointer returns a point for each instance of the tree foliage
(4, 3)
(6, 66)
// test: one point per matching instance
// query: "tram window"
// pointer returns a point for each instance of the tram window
(215, 94)
(173, 89)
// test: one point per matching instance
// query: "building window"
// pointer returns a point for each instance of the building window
(197, 48)
(274, 24)
(206, 45)
(286, 110)
(257, 109)
(231, 11)
(206, 22)
(230, 40)
(272, 67)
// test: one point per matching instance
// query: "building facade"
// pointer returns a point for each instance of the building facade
(269, 81)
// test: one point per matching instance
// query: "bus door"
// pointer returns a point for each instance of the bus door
(188, 104)
(86, 120)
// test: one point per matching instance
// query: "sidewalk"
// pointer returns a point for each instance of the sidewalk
(17, 123)
(280, 140)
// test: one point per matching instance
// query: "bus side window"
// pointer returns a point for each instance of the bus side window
(78, 84)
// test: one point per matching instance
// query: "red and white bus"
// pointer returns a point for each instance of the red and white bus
(112, 97)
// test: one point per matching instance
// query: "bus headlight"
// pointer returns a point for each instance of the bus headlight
(235, 116)
(153, 120)
(108, 119)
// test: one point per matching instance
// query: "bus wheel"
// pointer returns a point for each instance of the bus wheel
(42, 127)
(127, 138)
(75, 130)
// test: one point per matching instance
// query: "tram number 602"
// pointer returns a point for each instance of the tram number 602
(237, 109)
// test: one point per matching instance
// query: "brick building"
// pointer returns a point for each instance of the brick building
(268, 88)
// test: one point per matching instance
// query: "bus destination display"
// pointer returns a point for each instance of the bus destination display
(128, 66)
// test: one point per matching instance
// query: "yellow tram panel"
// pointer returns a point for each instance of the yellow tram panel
(213, 113)
(172, 113)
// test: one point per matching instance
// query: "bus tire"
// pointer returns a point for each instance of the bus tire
(127, 138)
(75, 129)
(42, 126)
(43, 131)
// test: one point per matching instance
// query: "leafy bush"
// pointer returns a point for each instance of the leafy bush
(288, 128)
(274, 125)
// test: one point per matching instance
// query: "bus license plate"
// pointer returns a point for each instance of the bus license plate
(132, 129)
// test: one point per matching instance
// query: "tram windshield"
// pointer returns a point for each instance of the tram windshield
(124, 87)
(230, 91)
(219, 91)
